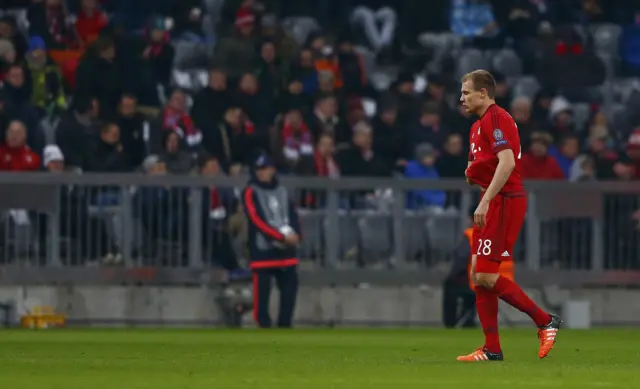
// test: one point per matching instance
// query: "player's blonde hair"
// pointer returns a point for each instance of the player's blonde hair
(481, 79)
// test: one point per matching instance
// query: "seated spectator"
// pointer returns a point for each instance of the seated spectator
(257, 105)
(561, 117)
(218, 205)
(359, 160)
(211, 102)
(600, 148)
(453, 161)
(132, 129)
(16, 96)
(158, 55)
(49, 19)
(520, 110)
(175, 117)
(236, 54)
(436, 91)
(537, 164)
(15, 155)
(428, 128)
(77, 131)
(107, 87)
(90, 21)
(582, 169)
(408, 102)
(88, 234)
(175, 159)
(47, 86)
(9, 30)
(108, 154)
(566, 153)
(324, 157)
(286, 46)
(324, 119)
(389, 141)
(424, 167)
(295, 139)
(503, 94)
(351, 67)
(7, 57)
(270, 71)
(232, 141)
(303, 71)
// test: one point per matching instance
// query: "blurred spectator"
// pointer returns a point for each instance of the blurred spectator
(90, 21)
(16, 96)
(303, 75)
(211, 102)
(7, 57)
(428, 128)
(295, 139)
(561, 117)
(408, 102)
(158, 55)
(236, 54)
(582, 169)
(270, 71)
(324, 119)
(389, 141)
(99, 76)
(175, 117)
(379, 24)
(325, 159)
(502, 92)
(188, 19)
(77, 131)
(436, 92)
(15, 155)
(537, 164)
(351, 67)
(359, 160)
(175, 159)
(132, 129)
(461, 121)
(566, 153)
(45, 79)
(232, 141)
(9, 30)
(600, 149)
(633, 150)
(424, 167)
(541, 106)
(474, 21)
(258, 105)
(453, 161)
(286, 46)
(50, 20)
(108, 154)
(521, 113)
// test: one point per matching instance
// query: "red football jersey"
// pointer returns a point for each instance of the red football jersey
(495, 131)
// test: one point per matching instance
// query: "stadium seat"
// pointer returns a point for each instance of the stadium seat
(526, 86)
(470, 60)
(415, 235)
(507, 62)
(606, 37)
(376, 233)
(443, 233)
(300, 27)
(349, 235)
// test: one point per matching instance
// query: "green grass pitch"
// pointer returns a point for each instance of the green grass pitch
(299, 359)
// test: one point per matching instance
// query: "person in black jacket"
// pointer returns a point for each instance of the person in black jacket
(274, 233)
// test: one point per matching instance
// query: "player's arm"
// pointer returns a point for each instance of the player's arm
(506, 164)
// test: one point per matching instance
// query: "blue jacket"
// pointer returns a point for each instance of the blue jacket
(273, 253)
(423, 198)
(564, 162)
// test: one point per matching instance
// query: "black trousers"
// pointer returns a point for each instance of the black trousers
(287, 281)
(459, 302)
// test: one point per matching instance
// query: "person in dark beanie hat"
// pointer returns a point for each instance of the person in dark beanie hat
(274, 233)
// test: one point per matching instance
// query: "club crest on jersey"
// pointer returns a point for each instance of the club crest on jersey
(497, 134)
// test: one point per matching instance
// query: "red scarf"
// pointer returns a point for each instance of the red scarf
(176, 120)
(214, 199)
(294, 138)
(325, 167)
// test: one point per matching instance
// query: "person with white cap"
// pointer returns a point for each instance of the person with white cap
(52, 159)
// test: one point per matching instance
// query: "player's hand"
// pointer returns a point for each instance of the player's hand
(480, 215)
(291, 239)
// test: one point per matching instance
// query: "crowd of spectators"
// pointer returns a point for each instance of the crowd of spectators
(94, 81)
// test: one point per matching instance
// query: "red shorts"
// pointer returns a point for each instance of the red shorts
(494, 243)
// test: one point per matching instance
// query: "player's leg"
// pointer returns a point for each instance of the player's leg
(287, 280)
(261, 297)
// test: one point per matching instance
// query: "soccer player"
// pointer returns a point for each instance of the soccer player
(494, 166)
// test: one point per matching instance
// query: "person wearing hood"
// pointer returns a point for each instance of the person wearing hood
(561, 116)
(176, 159)
(45, 78)
(537, 164)
(423, 167)
(274, 234)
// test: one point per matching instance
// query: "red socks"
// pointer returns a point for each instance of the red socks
(511, 293)
(487, 306)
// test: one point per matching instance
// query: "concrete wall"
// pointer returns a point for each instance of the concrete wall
(124, 305)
